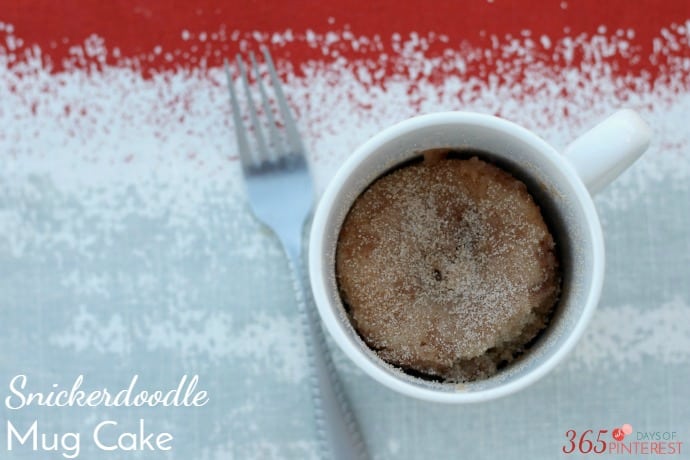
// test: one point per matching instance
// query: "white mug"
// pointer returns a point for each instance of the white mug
(562, 184)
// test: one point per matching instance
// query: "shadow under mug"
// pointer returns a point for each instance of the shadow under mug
(562, 185)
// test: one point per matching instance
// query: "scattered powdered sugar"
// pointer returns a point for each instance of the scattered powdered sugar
(123, 228)
(96, 135)
(95, 131)
(269, 344)
(182, 117)
(90, 333)
(393, 446)
(625, 335)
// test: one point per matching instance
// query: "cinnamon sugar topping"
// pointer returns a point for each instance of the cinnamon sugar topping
(447, 268)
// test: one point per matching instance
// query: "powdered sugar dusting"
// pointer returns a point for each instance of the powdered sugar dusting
(182, 117)
(267, 343)
(123, 230)
(660, 333)
(97, 136)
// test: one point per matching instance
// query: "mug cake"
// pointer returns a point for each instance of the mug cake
(447, 268)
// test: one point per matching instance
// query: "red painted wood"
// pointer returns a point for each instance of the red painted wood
(136, 27)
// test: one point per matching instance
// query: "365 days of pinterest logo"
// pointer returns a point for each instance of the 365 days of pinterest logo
(622, 440)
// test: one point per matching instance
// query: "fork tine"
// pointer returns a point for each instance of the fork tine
(294, 140)
(240, 132)
(272, 126)
(258, 131)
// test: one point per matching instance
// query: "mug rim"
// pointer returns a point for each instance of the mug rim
(318, 273)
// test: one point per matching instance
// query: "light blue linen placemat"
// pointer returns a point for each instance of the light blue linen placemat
(128, 249)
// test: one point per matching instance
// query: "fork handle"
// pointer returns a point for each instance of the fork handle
(338, 433)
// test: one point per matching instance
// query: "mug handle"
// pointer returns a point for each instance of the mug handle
(605, 151)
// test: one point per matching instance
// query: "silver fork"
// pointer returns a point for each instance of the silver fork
(280, 193)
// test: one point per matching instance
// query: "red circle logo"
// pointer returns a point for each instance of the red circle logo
(618, 434)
